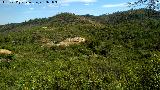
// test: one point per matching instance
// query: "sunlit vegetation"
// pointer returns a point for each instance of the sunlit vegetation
(122, 51)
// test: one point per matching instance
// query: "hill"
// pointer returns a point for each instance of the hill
(118, 53)
(125, 16)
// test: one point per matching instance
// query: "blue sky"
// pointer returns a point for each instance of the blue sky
(15, 13)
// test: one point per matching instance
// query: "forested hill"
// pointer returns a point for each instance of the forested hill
(116, 51)
(124, 16)
(68, 18)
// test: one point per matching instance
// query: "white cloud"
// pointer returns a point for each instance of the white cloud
(31, 8)
(87, 4)
(52, 5)
(115, 5)
(67, 2)
(83, 1)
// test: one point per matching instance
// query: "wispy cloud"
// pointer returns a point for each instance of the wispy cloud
(68, 2)
(115, 5)
(83, 1)
(31, 8)
(52, 5)
(86, 4)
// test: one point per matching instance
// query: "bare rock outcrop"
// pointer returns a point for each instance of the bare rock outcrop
(71, 41)
(66, 42)
(5, 51)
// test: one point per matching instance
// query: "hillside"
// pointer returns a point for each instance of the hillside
(118, 53)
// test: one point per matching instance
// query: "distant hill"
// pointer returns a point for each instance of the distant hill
(70, 18)
(124, 16)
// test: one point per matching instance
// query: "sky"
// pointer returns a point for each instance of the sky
(16, 13)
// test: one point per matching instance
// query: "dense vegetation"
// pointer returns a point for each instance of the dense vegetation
(120, 52)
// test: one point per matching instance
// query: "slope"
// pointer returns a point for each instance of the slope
(120, 56)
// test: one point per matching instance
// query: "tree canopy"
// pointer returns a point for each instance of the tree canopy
(151, 4)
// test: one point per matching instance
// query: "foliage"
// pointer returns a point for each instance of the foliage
(118, 54)
(151, 4)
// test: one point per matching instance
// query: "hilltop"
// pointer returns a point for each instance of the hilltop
(120, 51)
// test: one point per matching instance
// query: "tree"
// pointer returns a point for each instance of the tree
(151, 4)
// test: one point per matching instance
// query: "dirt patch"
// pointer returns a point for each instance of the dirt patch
(71, 41)
(4, 51)
(66, 42)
